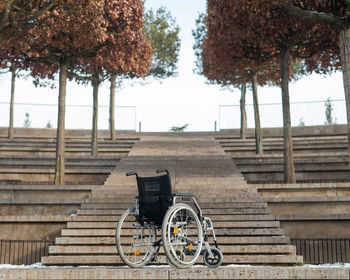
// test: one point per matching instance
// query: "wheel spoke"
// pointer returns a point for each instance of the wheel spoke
(182, 248)
(134, 242)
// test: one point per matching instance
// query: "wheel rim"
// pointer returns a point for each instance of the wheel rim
(184, 236)
(212, 262)
(135, 243)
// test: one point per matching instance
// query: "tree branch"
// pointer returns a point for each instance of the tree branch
(315, 17)
(4, 24)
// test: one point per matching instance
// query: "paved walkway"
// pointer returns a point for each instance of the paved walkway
(196, 272)
(191, 160)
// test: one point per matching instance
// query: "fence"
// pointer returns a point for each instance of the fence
(314, 251)
(23, 251)
(77, 116)
(319, 251)
(302, 114)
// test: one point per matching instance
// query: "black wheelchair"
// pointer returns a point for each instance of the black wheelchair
(183, 228)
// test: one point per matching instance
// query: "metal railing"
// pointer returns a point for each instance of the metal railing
(23, 251)
(320, 251)
(77, 116)
(305, 113)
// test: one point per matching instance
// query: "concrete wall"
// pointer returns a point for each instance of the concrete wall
(267, 132)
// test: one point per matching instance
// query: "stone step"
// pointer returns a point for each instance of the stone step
(38, 201)
(115, 260)
(279, 143)
(233, 211)
(214, 218)
(231, 183)
(245, 231)
(305, 167)
(204, 205)
(218, 231)
(201, 195)
(222, 240)
(301, 135)
(225, 249)
(204, 199)
(307, 199)
(242, 272)
(46, 169)
(226, 224)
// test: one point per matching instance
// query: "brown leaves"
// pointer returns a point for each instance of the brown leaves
(98, 33)
(245, 36)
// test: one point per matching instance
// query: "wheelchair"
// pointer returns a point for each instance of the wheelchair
(183, 227)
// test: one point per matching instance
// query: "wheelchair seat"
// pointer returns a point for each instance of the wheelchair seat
(155, 198)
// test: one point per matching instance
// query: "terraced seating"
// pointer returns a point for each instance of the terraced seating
(319, 210)
(75, 147)
(31, 207)
(317, 158)
(318, 206)
(38, 212)
(33, 160)
(247, 232)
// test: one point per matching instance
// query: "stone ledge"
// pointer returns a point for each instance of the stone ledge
(329, 199)
(48, 187)
(312, 217)
(52, 171)
(58, 201)
(35, 219)
(164, 272)
(284, 187)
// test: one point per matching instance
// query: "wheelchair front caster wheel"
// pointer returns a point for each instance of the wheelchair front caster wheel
(213, 262)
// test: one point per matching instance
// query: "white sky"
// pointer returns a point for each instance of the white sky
(176, 101)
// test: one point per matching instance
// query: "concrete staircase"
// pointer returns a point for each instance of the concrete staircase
(247, 232)
(317, 158)
(32, 161)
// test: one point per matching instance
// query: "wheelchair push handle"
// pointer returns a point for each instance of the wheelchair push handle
(131, 174)
(162, 170)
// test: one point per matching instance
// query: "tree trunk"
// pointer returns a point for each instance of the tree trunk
(289, 174)
(243, 112)
(13, 80)
(60, 140)
(94, 131)
(112, 108)
(4, 16)
(258, 131)
(344, 45)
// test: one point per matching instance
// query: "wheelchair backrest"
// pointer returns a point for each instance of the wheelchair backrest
(155, 197)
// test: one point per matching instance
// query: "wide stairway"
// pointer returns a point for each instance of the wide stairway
(247, 233)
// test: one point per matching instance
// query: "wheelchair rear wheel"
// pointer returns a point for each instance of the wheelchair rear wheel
(182, 235)
(135, 242)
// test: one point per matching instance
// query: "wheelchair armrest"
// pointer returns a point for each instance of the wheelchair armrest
(189, 195)
(131, 174)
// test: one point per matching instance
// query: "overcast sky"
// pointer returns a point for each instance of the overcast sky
(176, 101)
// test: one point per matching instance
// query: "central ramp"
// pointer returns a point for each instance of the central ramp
(247, 233)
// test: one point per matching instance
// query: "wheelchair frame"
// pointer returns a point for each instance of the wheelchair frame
(181, 241)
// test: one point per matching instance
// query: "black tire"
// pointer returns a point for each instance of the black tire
(126, 236)
(216, 261)
(180, 255)
(188, 238)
